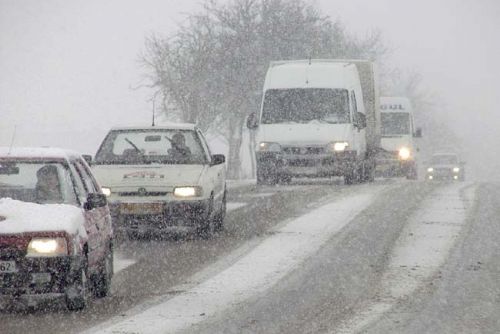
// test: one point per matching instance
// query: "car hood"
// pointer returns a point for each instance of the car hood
(23, 217)
(165, 176)
(304, 134)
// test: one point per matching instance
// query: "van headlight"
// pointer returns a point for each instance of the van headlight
(338, 146)
(268, 147)
(188, 191)
(430, 170)
(456, 170)
(47, 247)
(404, 153)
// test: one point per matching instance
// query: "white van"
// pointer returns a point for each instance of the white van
(313, 122)
(399, 154)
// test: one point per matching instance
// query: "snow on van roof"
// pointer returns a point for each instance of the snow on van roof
(21, 217)
(37, 152)
(163, 126)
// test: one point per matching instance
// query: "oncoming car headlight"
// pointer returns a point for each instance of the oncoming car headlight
(404, 153)
(339, 146)
(106, 191)
(46, 247)
(268, 147)
(430, 169)
(456, 170)
(188, 191)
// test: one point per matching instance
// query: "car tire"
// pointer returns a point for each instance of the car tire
(79, 293)
(219, 218)
(102, 283)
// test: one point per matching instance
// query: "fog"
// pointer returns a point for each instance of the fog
(70, 70)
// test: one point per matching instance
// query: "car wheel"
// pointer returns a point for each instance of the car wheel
(205, 229)
(219, 218)
(102, 283)
(78, 294)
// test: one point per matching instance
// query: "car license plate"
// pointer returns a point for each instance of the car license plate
(141, 208)
(8, 267)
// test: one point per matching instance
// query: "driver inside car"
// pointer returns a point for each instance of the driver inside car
(48, 187)
(178, 150)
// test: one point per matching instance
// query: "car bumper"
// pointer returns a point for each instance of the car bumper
(170, 217)
(39, 278)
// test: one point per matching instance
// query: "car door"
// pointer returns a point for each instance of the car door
(216, 174)
(92, 217)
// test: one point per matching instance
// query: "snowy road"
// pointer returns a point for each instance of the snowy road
(344, 262)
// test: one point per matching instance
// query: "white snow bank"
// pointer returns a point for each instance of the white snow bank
(257, 271)
(23, 217)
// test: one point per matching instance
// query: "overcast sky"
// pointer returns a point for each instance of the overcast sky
(70, 66)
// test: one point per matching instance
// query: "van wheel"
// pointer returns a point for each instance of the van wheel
(78, 294)
(350, 177)
(102, 283)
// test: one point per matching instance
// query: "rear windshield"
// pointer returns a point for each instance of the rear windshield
(37, 182)
(305, 105)
(132, 147)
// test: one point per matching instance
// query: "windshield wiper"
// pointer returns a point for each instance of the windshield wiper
(134, 146)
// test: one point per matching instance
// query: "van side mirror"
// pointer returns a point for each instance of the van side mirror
(252, 121)
(218, 159)
(418, 133)
(361, 120)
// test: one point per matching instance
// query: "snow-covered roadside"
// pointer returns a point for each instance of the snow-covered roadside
(422, 248)
(262, 267)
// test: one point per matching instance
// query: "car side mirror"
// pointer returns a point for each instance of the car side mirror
(87, 158)
(218, 159)
(418, 133)
(361, 120)
(95, 200)
(252, 121)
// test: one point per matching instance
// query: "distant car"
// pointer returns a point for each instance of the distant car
(445, 166)
(162, 180)
(56, 238)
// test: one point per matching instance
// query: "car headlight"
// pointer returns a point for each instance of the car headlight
(430, 169)
(106, 191)
(404, 153)
(268, 147)
(338, 146)
(456, 170)
(46, 247)
(188, 191)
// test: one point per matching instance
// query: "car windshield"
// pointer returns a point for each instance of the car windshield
(132, 147)
(395, 123)
(445, 159)
(305, 105)
(36, 181)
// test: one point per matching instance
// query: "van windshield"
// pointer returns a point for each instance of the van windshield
(305, 105)
(444, 159)
(395, 124)
(142, 146)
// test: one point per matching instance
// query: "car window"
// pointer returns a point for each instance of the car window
(86, 178)
(80, 189)
(144, 146)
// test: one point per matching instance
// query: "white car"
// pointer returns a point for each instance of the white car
(162, 179)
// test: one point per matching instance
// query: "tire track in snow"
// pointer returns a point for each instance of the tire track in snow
(283, 251)
(422, 248)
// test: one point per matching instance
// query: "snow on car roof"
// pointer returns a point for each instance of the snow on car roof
(164, 126)
(37, 152)
(21, 217)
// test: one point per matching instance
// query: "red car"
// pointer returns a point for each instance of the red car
(56, 238)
